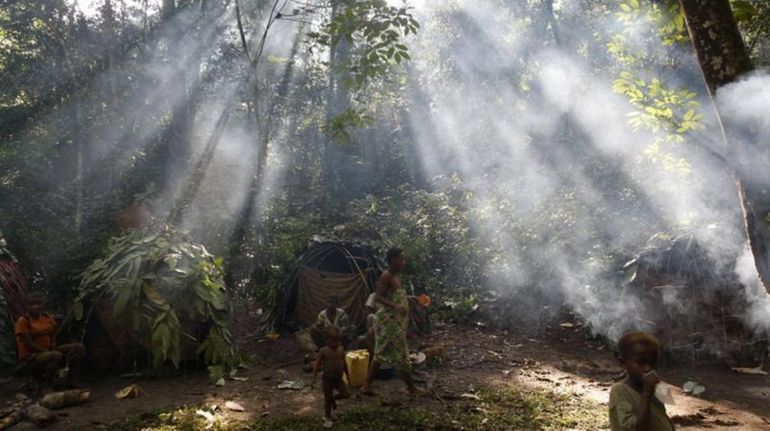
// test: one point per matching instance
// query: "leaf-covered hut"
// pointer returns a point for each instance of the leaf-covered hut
(158, 293)
(13, 291)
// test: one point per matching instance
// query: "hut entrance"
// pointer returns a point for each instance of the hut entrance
(342, 269)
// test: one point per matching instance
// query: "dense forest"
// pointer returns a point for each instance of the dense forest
(533, 158)
(514, 149)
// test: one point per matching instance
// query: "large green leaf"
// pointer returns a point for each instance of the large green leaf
(162, 279)
(77, 311)
(203, 293)
(217, 299)
(152, 295)
(165, 338)
(122, 299)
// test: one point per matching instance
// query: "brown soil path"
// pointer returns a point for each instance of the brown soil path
(562, 360)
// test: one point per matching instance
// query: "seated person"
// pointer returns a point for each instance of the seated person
(331, 316)
(35, 340)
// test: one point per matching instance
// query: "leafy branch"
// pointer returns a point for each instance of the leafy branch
(160, 284)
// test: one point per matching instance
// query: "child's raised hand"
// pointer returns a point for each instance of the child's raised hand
(650, 379)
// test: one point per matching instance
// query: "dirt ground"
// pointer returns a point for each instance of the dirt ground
(562, 360)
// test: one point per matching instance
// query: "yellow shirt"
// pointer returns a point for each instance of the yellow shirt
(624, 408)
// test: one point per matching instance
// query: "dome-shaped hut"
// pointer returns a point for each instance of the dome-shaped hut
(345, 269)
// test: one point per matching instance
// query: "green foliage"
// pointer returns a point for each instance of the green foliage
(664, 18)
(177, 419)
(659, 107)
(374, 35)
(68, 86)
(78, 88)
(377, 32)
(496, 409)
(669, 112)
(339, 126)
(261, 273)
(444, 257)
(753, 17)
(744, 11)
(156, 281)
(460, 309)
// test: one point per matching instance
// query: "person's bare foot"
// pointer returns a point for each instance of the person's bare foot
(328, 423)
(365, 391)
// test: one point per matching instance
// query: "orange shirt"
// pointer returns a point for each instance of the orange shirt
(40, 330)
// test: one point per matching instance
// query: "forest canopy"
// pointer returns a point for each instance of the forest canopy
(520, 152)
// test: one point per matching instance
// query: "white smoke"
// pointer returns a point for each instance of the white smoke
(472, 117)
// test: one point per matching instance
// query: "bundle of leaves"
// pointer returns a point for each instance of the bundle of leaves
(13, 285)
(157, 281)
(7, 340)
(13, 295)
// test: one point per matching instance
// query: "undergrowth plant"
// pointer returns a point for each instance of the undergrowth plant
(157, 281)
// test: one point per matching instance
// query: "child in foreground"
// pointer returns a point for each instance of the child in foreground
(332, 358)
(633, 406)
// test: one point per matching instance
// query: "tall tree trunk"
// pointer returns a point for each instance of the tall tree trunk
(723, 59)
(109, 26)
(111, 105)
(78, 141)
(550, 18)
(75, 135)
(246, 224)
(175, 151)
(167, 10)
(337, 102)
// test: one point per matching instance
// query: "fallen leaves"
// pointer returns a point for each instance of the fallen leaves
(757, 371)
(233, 406)
(131, 391)
(294, 385)
(693, 388)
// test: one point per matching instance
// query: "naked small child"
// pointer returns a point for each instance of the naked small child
(331, 358)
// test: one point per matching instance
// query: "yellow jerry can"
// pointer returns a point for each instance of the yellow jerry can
(358, 365)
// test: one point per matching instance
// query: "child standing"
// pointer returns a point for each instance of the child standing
(332, 358)
(633, 406)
